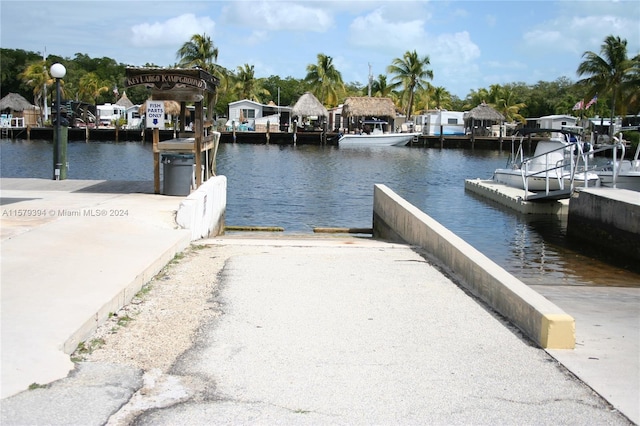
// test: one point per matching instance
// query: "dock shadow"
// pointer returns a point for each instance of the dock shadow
(119, 187)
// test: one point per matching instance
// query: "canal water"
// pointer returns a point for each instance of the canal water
(302, 187)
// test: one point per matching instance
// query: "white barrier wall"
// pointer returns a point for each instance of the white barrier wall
(204, 209)
(396, 219)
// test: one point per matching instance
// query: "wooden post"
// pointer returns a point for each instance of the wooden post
(156, 161)
(441, 136)
(233, 129)
(324, 133)
(268, 126)
(199, 129)
(295, 132)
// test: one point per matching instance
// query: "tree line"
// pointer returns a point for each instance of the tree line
(611, 77)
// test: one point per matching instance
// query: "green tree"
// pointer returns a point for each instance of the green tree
(411, 72)
(199, 51)
(381, 88)
(246, 86)
(607, 73)
(325, 80)
(91, 88)
(36, 76)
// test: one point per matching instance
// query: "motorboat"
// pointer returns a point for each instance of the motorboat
(619, 173)
(559, 164)
(374, 135)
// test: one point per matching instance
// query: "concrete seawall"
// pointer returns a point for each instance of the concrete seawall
(545, 323)
(607, 217)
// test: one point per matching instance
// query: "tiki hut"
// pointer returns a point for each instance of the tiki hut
(482, 116)
(17, 106)
(307, 106)
(368, 107)
(125, 101)
(357, 109)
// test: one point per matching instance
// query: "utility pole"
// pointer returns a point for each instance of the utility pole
(370, 80)
(46, 108)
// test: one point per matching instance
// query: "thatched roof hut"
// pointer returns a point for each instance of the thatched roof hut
(484, 112)
(368, 107)
(307, 106)
(125, 101)
(170, 107)
(15, 102)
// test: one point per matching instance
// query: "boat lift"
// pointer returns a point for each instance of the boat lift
(575, 161)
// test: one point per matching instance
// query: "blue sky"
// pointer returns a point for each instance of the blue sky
(471, 44)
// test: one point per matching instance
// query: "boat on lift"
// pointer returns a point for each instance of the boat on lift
(558, 165)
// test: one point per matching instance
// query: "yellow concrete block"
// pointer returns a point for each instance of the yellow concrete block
(558, 331)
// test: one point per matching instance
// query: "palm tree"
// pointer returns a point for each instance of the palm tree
(199, 51)
(247, 86)
(37, 76)
(631, 87)
(411, 71)
(609, 72)
(380, 87)
(89, 89)
(325, 79)
(441, 98)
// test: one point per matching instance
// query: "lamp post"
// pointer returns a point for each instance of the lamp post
(57, 71)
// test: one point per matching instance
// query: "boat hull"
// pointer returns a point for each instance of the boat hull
(385, 139)
(629, 180)
(514, 178)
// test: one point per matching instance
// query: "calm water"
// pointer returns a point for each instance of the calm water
(303, 187)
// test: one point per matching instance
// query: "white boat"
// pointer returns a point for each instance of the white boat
(376, 136)
(558, 164)
(621, 174)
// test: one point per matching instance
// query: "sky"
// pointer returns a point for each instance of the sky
(470, 44)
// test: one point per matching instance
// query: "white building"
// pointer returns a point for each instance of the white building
(249, 115)
(108, 114)
(434, 122)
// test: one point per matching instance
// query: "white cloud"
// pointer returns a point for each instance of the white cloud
(278, 16)
(456, 49)
(374, 30)
(171, 32)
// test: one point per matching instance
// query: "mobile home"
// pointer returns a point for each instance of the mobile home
(434, 122)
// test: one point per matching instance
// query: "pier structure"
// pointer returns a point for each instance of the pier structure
(182, 85)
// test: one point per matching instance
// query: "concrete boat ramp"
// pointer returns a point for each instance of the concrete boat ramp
(316, 330)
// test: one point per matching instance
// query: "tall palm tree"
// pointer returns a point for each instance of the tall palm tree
(37, 76)
(411, 71)
(608, 72)
(90, 88)
(247, 86)
(325, 79)
(631, 88)
(199, 51)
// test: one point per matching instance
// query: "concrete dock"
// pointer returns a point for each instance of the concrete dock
(70, 254)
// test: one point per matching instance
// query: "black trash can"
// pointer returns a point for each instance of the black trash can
(178, 172)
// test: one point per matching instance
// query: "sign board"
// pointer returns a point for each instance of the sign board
(155, 115)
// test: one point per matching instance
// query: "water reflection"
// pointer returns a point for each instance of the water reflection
(303, 187)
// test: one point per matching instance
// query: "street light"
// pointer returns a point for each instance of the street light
(57, 71)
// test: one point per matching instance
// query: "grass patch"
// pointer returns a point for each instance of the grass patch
(34, 386)
(124, 321)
